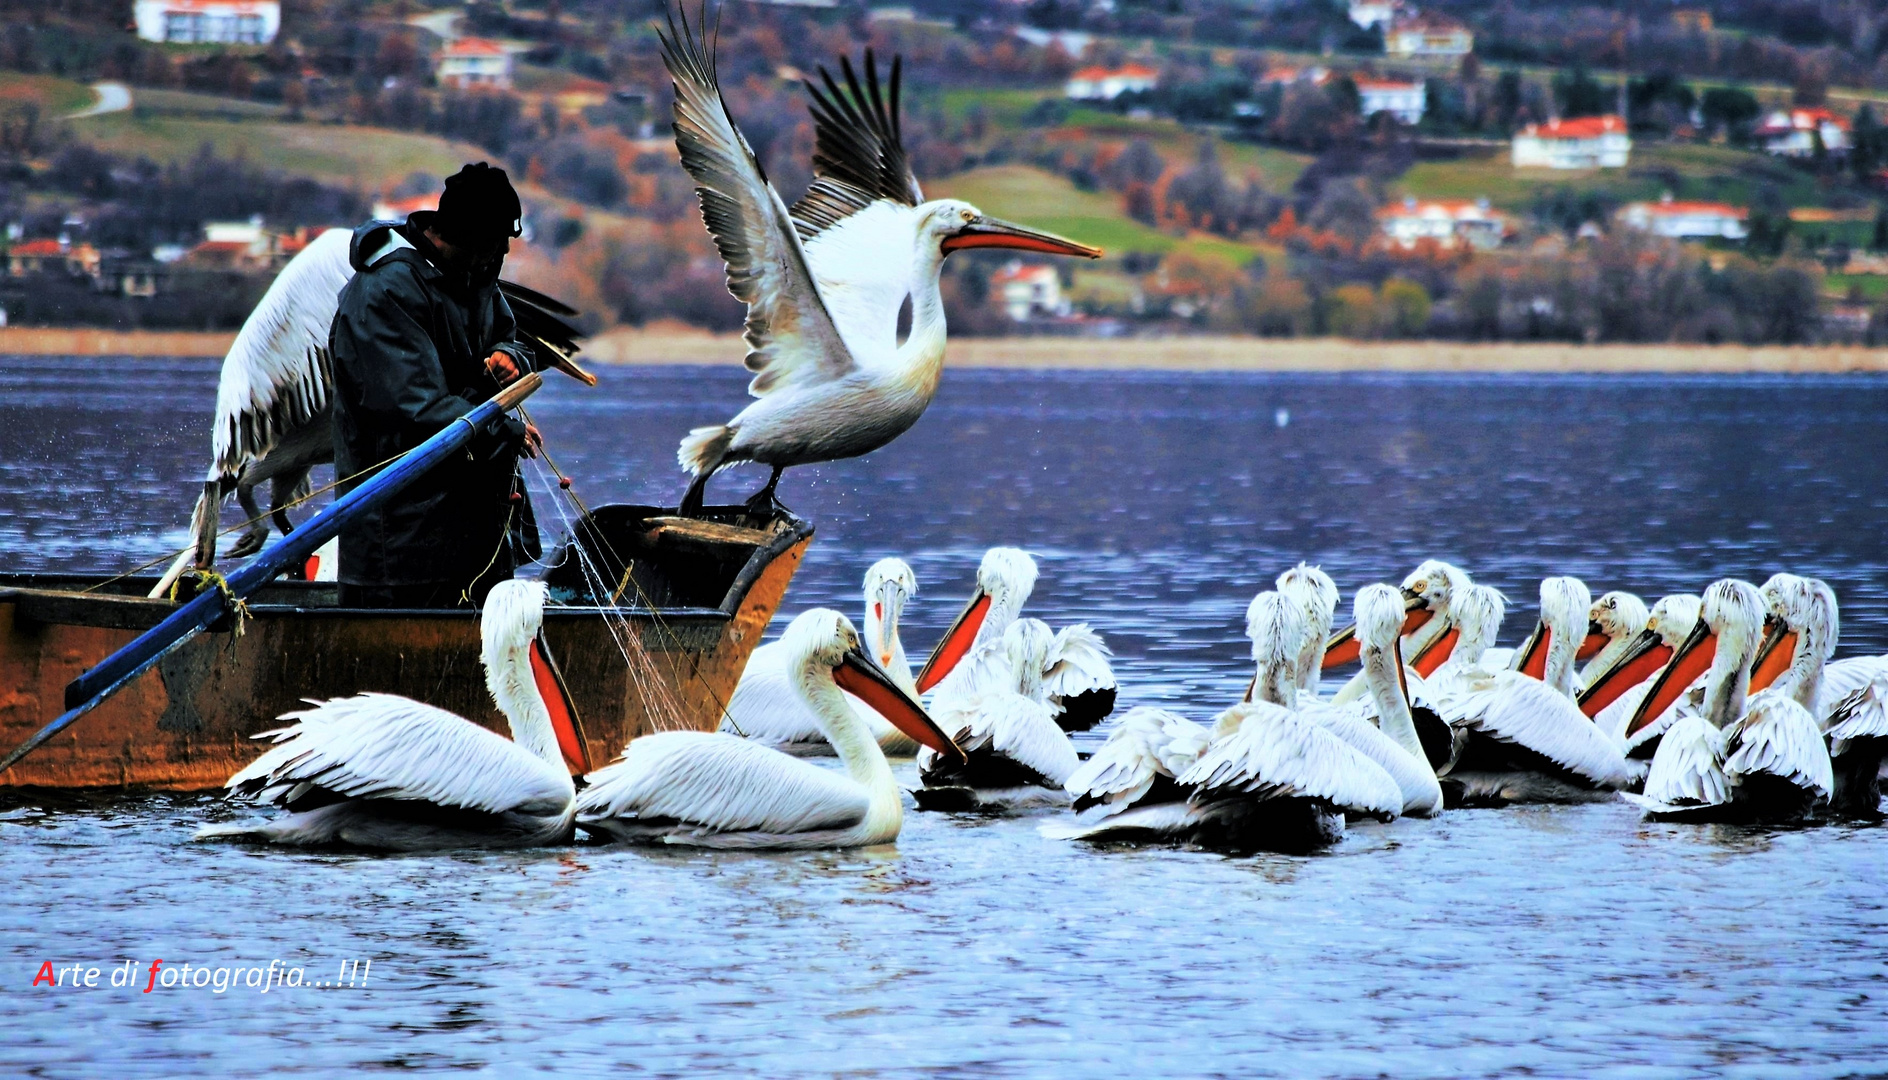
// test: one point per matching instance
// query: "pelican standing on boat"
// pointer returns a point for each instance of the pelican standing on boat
(723, 791)
(766, 705)
(824, 281)
(386, 772)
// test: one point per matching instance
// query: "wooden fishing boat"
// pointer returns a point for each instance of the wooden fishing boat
(652, 621)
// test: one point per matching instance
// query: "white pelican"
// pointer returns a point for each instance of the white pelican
(723, 791)
(1014, 754)
(1318, 593)
(383, 771)
(272, 399)
(1614, 622)
(1078, 680)
(1800, 635)
(1269, 779)
(766, 705)
(1614, 693)
(1528, 741)
(1740, 756)
(1383, 729)
(1427, 628)
(824, 281)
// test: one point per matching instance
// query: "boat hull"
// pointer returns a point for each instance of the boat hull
(191, 721)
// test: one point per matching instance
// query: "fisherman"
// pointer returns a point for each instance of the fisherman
(421, 336)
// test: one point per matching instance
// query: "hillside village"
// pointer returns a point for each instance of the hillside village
(1370, 168)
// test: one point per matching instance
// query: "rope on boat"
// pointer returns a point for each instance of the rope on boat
(233, 605)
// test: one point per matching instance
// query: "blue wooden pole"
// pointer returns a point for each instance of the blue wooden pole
(85, 692)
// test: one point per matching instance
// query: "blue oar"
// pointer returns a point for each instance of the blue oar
(85, 692)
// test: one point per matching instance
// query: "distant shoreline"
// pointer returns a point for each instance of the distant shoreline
(665, 347)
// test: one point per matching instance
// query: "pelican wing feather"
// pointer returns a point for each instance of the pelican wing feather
(1275, 754)
(1009, 725)
(1078, 663)
(1779, 737)
(790, 335)
(1526, 712)
(722, 783)
(1146, 745)
(383, 746)
(1862, 714)
(1688, 769)
(858, 148)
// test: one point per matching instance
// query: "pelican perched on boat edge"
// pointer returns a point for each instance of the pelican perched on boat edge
(383, 771)
(720, 790)
(273, 396)
(824, 281)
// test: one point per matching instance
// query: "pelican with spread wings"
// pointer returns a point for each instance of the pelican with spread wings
(824, 280)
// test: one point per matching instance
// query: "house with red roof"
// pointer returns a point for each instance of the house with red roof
(1106, 84)
(1793, 132)
(1413, 35)
(1401, 98)
(1685, 219)
(1588, 142)
(474, 63)
(1027, 291)
(1451, 223)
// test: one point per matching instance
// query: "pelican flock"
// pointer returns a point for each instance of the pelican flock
(1722, 706)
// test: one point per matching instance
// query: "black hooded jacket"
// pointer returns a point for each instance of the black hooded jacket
(408, 348)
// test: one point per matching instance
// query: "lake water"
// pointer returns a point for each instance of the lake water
(1553, 941)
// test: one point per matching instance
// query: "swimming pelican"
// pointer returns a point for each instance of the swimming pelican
(1740, 756)
(1077, 678)
(272, 399)
(1267, 778)
(824, 281)
(1318, 593)
(1427, 593)
(1132, 777)
(766, 705)
(719, 790)
(383, 771)
(1383, 728)
(1614, 693)
(1014, 753)
(1614, 622)
(1528, 741)
(1800, 635)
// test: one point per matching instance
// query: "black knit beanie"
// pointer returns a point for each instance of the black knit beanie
(479, 206)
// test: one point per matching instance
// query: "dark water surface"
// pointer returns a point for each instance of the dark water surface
(1557, 941)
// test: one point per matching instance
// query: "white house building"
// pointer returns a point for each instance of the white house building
(1793, 132)
(1369, 13)
(1426, 35)
(1403, 100)
(220, 22)
(1450, 223)
(474, 62)
(1686, 220)
(1028, 291)
(1106, 84)
(1590, 142)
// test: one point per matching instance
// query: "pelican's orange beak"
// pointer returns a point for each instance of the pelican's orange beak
(1641, 660)
(988, 232)
(955, 644)
(550, 684)
(1774, 655)
(1692, 659)
(1532, 660)
(859, 676)
(1437, 653)
(1594, 641)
